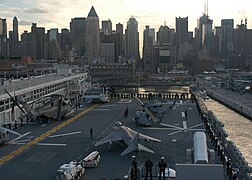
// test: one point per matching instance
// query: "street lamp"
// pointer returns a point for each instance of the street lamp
(17, 74)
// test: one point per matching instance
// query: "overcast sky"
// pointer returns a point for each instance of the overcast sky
(58, 13)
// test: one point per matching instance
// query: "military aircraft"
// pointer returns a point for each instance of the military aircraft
(54, 106)
(130, 137)
(145, 117)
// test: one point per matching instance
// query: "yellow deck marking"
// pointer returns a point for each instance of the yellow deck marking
(43, 136)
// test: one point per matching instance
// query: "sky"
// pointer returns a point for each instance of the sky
(58, 13)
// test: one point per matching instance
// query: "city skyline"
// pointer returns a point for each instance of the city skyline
(155, 14)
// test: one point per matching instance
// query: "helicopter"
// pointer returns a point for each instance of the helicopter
(52, 107)
(145, 117)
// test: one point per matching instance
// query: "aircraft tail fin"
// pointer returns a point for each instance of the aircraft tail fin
(135, 146)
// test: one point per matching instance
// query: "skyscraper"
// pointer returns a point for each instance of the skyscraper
(53, 46)
(14, 40)
(38, 42)
(119, 31)
(132, 39)
(92, 36)
(149, 51)
(78, 35)
(181, 30)
(205, 32)
(165, 35)
(65, 39)
(227, 37)
(107, 27)
(26, 44)
(3, 39)
(15, 29)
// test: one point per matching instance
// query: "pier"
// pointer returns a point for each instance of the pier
(241, 103)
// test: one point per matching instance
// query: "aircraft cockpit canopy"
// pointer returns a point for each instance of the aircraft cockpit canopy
(118, 124)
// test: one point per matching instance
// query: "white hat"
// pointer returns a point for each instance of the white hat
(133, 157)
(162, 157)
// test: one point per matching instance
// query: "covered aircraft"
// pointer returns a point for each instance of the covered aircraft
(130, 137)
(97, 95)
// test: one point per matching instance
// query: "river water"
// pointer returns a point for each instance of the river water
(239, 128)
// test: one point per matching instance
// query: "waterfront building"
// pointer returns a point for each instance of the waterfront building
(92, 36)
(166, 58)
(114, 73)
(107, 52)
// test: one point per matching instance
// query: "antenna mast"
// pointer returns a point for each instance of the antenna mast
(207, 9)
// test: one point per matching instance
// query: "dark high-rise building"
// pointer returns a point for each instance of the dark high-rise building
(26, 44)
(78, 35)
(54, 34)
(65, 39)
(132, 39)
(111, 39)
(119, 31)
(204, 37)
(119, 28)
(4, 54)
(14, 40)
(107, 27)
(217, 39)
(165, 35)
(15, 29)
(242, 47)
(227, 37)
(181, 30)
(52, 49)
(38, 42)
(92, 36)
(149, 51)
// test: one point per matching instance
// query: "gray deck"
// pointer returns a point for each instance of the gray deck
(42, 161)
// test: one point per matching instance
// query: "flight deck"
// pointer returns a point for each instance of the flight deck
(44, 148)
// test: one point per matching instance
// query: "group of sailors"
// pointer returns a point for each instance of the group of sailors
(148, 169)
(151, 96)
